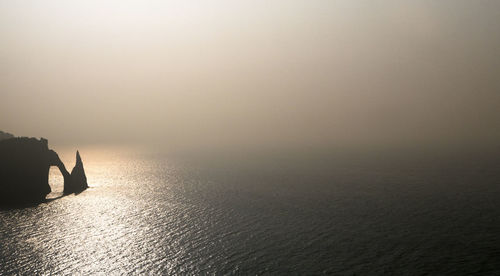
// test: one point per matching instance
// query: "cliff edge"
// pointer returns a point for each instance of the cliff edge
(5, 135)
(24, 171)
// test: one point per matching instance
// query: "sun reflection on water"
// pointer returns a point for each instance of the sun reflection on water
(146, 214)
(106, 228)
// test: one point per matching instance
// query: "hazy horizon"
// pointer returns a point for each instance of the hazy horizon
(278, 137)
(199, 75)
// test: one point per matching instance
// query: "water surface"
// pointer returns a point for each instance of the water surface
(152, 214)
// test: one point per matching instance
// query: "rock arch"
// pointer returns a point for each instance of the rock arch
(54, 160)
(24, 171)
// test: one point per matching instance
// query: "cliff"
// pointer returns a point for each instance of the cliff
(5, 135)
(78, 181)
(24, 171)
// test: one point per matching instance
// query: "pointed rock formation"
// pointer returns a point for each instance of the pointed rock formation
(78, 179)
(24, 170)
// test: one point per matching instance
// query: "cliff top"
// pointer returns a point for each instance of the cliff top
(5, 135)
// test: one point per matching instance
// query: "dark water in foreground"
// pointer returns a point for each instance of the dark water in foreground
(331, 215)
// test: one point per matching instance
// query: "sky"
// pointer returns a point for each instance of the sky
(198, 75)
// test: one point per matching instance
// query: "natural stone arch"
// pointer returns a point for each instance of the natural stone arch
(55, 161)
(74, 182)
(24, 171)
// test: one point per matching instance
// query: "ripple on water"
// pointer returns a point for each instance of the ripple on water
(148, 215)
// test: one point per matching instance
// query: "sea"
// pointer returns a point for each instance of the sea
(323, 213)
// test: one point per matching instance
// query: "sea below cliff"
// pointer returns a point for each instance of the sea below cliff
(342, 214)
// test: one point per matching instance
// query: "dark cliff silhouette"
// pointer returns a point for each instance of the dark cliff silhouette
(5, 135)
(24, 171)
(78, 181)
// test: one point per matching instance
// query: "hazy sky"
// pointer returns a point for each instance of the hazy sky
(250, 74)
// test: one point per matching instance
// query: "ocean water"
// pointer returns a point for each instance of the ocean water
(284, 214)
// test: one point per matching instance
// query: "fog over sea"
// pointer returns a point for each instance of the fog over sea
(277, 213)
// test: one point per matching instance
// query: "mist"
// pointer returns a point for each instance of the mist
(214, 75)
